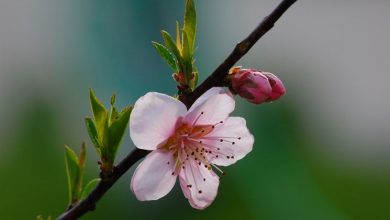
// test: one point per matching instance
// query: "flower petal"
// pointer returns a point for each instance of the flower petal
(199, 185)
(212, 107)
(153, 119)
(153, 177)
(206, 95)
(236, 142)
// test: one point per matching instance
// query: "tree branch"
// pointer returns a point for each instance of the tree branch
(215, 79)
(104, 185)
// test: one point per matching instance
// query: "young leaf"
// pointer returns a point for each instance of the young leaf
(117, 129)
(71, 155)
(170, 43)
(166, 55)
(99, 111)
(178, 40)
(93, 133)
(190, 24)
(196, 77)
(113, 111)
(80, 174)
(91, 185)
(187, 58)
(72, 167)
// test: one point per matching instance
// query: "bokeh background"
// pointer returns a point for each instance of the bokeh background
(321, 152)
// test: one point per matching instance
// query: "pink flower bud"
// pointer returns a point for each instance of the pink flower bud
(255, 86)
(277, 86)
(251, 85)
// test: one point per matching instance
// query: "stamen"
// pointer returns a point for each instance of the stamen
(196, 119)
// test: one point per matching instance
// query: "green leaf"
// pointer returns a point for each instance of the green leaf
(196, 77)
(93, 133)
(113, 111)
(178, 40)
(117, 129)
(71, 155)
(82, 157)
(91, 185)
(187, 58)
(80, 174)
(72, 170)
(170, 44)
(166, 55)
(190, 24)
(99, 111)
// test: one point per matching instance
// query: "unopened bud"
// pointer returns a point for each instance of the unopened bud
(256, 86)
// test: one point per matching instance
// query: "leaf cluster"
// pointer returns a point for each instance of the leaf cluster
(179, 53)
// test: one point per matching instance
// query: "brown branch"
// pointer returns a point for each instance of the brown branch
(219, 74)
(89, 203)
(215, 79)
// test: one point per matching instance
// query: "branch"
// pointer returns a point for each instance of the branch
(215, 79)
(104, 185)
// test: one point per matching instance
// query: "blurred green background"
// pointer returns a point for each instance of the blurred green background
(321, 152)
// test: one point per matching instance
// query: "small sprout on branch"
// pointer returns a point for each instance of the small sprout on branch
(106, 130)
(179, 54)
(74, 171)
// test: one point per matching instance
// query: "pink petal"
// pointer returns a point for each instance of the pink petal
(206, 95)
(211, 108)
(237, 141)
(153, 177)
(153, 119)
(199, 185)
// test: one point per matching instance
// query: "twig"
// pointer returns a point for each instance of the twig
(215, 79)
(89, 203)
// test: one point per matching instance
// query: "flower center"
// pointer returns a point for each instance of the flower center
(187, 143)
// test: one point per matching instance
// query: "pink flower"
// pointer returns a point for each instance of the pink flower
(186, 144)
(256, 86)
